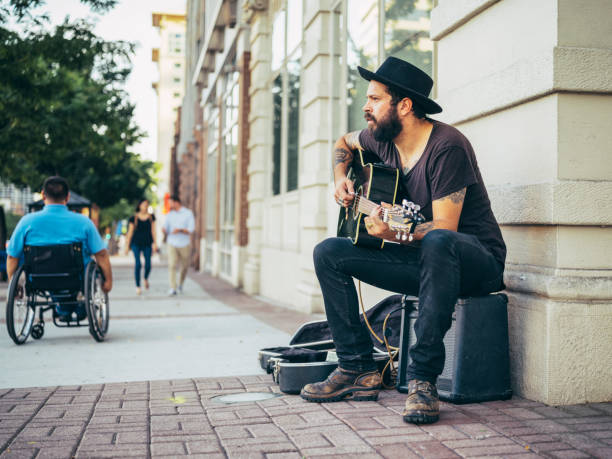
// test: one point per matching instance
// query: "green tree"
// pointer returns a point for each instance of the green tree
(63, 109)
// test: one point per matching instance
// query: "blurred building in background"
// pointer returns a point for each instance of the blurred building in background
(15, 199)
(271, 84)
(170, 88)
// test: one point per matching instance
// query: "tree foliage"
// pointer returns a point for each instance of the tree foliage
(63, 109)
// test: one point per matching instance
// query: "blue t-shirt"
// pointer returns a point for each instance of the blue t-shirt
(55, 224)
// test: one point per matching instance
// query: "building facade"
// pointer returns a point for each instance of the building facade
(15, 199)
(170, 89)
(275, 84)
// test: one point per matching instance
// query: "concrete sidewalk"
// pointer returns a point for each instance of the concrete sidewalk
(184, 417)
(151, 336)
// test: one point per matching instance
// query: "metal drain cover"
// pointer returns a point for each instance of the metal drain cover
(244, 397)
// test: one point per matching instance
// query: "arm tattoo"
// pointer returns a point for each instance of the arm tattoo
(343, 156)
(423, 228)
(456, 197)
(352, 140)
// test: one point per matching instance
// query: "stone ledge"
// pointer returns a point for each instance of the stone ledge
(565, 202)
(560, 284)
(549, 72)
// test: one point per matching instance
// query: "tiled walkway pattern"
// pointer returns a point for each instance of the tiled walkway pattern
(176, 418)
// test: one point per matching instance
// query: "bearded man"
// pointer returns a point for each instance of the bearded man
(457, 251)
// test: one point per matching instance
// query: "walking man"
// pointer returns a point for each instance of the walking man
(177, 230)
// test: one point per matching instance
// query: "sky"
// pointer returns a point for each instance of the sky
(130, 20)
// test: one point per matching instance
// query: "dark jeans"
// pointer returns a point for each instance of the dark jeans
(146, 251)
(445, 266)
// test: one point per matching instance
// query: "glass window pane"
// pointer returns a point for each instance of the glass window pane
(293, 75)
(407, 27)
(294, 25)
(362, 49)
(211, 192)
(277, 101)
(278, 40)
(211, 173)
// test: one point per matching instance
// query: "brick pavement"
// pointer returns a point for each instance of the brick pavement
(181, 418)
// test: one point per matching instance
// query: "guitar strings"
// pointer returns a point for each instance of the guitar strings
(366, 206)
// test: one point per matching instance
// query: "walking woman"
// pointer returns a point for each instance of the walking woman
(141, 239)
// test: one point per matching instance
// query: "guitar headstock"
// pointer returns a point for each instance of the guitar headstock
(403, 219)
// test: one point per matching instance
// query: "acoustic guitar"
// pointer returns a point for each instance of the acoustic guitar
(374, 183)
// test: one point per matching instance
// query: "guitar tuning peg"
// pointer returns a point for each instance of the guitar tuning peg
(397, 235)
(404, 237)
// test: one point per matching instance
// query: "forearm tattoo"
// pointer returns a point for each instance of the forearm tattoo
(456, 197)
(343, 156)
(352, 140)
(422, 229)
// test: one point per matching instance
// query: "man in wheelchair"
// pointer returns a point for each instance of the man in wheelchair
(52, 226)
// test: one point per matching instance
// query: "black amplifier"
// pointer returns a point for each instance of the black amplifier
(477, 366)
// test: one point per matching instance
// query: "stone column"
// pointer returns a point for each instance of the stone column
(315, 161)
(529, 84)
(242, 178)
(260, 143)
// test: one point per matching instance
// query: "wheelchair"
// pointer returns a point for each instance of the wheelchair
(50, 276)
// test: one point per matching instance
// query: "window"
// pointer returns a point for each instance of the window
(177, 65)
(406, 33)
(176, 43)
(176, 95)
(361, 49)
(285, 88)
(211, 115)
(229, 153)
(176, 79)
(367, 32)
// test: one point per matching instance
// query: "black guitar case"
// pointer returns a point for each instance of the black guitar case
(311, 357)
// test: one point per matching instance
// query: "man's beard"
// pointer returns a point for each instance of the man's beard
(388, 128)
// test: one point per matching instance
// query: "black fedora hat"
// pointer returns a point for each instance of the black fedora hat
(407, 79)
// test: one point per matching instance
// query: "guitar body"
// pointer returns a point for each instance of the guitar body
(375, 182)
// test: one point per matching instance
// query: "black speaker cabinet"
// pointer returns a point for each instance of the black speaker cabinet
(477, 366)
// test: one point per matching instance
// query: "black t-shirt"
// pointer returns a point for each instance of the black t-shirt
(447, 165)
(142, 235)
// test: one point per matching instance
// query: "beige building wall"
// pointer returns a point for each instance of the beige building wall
(528, 83)
(537, 106)
(170, 88)
(284, 229)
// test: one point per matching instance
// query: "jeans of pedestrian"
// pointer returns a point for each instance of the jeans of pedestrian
(443, 267)
(146, 251)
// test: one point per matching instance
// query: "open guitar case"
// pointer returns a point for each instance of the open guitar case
(310, 356)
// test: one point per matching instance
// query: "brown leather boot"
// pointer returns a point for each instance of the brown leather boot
(344, 384)
(422, 404)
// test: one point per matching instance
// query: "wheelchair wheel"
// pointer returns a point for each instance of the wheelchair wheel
(96, 302)
(19, 313)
